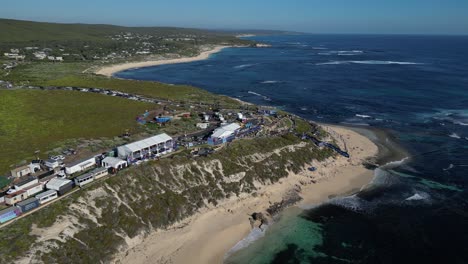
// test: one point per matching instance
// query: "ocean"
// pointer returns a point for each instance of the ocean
(414, 87)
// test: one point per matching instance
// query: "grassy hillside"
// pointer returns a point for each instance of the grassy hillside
(41, 120)
(24, 31)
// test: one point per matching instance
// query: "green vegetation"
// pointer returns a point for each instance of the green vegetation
(4, 182)
(39, 73)
(88, 42)
(159, 193)
(178, 93)
(38, 120)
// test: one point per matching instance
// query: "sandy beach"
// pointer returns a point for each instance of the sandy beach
(208, 235)
(111, 69)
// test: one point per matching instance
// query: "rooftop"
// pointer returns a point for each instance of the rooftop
(46, 193)
(146, 143)
(85, 161)
(113, 162)
(56, 183)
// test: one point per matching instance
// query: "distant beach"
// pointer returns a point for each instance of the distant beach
(112, 69)
(208, 235)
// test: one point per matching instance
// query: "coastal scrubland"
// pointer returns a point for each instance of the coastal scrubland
(103, 218)
(42, 120)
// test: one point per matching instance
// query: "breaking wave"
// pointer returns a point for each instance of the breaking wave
(261, 95)
(254, 235)
(456, 117)
(342, 52)
(455, 135)
(242, 66)
(418, 196)
(363, 116)
(269, 82)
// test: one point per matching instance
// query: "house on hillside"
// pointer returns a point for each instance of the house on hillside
(80, 166)
(224, 134)
(52, 164)
(24, 184)
(25, 170)
(115, 164)
(16, 197)
(46, 196)
(62, 186)
(146, 148)
(99, 172)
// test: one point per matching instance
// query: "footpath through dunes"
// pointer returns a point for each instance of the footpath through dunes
(209, 234)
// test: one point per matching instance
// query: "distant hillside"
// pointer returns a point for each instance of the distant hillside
(25, 31)
(37, 41)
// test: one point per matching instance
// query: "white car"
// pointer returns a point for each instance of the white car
(59, 157)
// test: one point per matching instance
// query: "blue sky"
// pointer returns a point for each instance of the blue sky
(327, 16)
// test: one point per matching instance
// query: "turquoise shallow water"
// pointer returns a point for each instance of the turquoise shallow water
(416, 87)
(291, 232)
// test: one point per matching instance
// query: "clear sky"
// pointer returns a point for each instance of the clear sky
(315, 16)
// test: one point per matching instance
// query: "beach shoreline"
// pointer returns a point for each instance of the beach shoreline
(110, 70)
(208, 235)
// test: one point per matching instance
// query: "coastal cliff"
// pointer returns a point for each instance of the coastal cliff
(113, 215)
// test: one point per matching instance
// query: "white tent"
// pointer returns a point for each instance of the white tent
(145, 145)
(116, 163)
(225, 131)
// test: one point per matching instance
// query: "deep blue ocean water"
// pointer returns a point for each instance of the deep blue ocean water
(415, 86)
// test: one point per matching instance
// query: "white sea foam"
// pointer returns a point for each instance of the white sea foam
(353, 203)
(455, 135)
(363, 116)
(451, 166)
(254, 235)
(460, 123)
(269, 82)
(394, 164)
(304, 108)
(418, 196)
(370, 62)
(261, 95)
(244, 66)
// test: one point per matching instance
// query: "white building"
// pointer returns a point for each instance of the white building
(57, 183)
(84, 179)
(203, 125)
(16, 197)
(36, 188)
(25, 170)
(46, 196)
(40, 55)
(226, 131)
(80, 166)
(99, 173)
(143, 149)
(52, 164)
(24, 184)
(223, 134)
(115, 163)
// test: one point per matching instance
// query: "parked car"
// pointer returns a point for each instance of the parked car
(58, 157)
